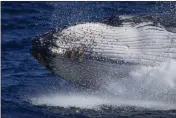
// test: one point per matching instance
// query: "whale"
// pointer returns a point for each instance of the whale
(88, 52)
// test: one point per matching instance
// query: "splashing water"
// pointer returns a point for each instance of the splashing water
(148, 87)
(95, 102)
(148, 83)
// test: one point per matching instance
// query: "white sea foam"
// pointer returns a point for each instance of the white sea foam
(95, 102)
(149, 83)
(148, 87)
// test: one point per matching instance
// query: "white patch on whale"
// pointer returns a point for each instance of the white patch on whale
(142, 44)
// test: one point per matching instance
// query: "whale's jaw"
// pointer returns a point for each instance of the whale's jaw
(41, 48)
(84, 53)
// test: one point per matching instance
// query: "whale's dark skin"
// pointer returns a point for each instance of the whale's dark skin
(85, 53)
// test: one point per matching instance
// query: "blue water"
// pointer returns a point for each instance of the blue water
(23, 78)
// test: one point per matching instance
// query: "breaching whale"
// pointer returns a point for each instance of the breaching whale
(87, 52)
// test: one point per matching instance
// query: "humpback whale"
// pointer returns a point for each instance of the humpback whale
(85, 53)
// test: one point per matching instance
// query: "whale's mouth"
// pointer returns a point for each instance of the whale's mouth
(42, 46)
(41, 52)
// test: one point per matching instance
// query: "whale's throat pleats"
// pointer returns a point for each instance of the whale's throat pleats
(85, 50)
(133, 40)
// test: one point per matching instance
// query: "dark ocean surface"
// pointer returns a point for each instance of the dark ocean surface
(29, 90)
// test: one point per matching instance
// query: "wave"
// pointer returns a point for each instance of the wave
(146, 87)
(96, 102)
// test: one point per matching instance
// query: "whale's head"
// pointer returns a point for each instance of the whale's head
(63, 52)
(90, 40)
(56, 44)
(41, 48)
(86, 52)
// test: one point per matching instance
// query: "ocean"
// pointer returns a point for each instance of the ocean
(30, 90)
